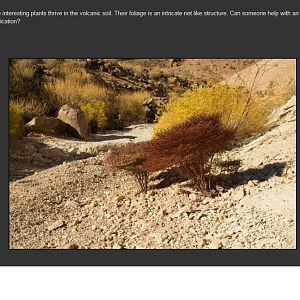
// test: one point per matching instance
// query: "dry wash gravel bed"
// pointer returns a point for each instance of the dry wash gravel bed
(83, 205)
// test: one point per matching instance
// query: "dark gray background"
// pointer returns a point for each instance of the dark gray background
(141, 38)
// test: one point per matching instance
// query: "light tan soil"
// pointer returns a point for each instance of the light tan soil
(82, 204)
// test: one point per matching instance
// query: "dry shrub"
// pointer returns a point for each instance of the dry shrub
(231, 102)
(23, 68)
(136, 69)
(190, 146)
(21, 74)
(61, 68)
(155, 72)
(130, 106)
(32, 107)
(131, 158)
(173, 95)
(15, 121)
(72, 84)
(67, 90)
(277, 95)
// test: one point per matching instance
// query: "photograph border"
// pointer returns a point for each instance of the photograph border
(153, 257)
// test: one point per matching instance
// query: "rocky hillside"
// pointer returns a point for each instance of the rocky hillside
(82, 205)
(162, 75)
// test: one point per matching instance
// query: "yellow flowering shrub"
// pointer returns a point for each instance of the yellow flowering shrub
(234, 103)
(95, 111)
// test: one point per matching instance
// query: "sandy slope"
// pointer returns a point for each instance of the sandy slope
(278, 73)
(82, 204)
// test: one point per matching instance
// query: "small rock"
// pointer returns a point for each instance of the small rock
(78, 170)
(182, 191)
(238, 195)
(151, 193)
(71, 204)
(56, 225)
(106, 193)
(72, 246)
(75, 222)
(73, 150)
(179, 212)
(203, 243)
(93, 204)
(224, 241)
(215, 244)
(193, 196)
(219, 188)
(151, 198)
(252, 183)
(197, 217)
(191, 216)
(94, 227)
(109, 215)
(119, 198)
(205, 201)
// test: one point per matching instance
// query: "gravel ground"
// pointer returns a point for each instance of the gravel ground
(80, 204)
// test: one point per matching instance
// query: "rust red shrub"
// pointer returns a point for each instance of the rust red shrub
(131, 158)
(190, 146)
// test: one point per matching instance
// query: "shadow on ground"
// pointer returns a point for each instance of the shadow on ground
(233, 180)
(34, 156)
(111, 137)
(226, 181)
(167, 178)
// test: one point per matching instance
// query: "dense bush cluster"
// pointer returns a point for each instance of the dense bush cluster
(22, 78)
(96, 113)
(190, 147)
(130, 106)
(231, 102)
(41, 86)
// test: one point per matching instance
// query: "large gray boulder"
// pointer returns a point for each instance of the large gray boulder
(71, 114)
(150, 110)
(46, 125)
